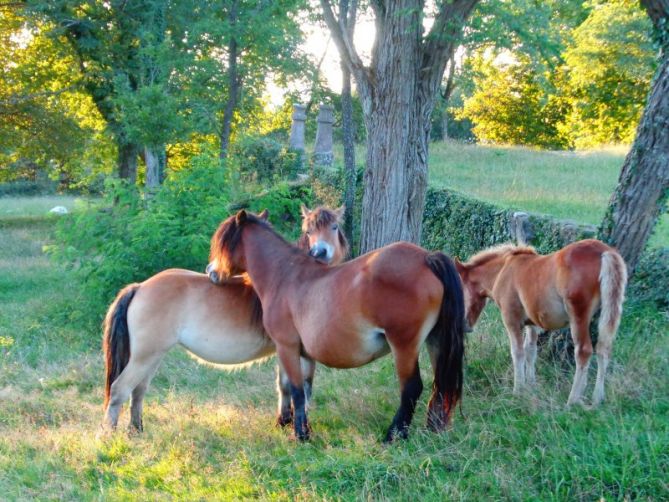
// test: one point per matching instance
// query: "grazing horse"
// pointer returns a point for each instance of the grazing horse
(221, 324)
(546, 292)
(390, 300)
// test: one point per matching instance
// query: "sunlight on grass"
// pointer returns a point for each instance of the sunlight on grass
(39, 205)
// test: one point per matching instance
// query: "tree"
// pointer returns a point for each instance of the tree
(347, 14)
(238, 43)
(398, 90)
(610, 63)
(124, 59)
(643, 186)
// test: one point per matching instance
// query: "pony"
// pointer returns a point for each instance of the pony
(217, 323)
(390, 300)
(547, 292)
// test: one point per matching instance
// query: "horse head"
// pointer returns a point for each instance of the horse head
(226, 256)
(322, 236)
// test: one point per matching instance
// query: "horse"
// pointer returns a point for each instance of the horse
(217, 323)
(547, 292)
(390, 300)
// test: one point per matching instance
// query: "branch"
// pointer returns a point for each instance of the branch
(440, 42)
(344, 42)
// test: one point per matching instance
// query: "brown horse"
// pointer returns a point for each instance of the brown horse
(390, 300)
(548, 292)
(219, 324)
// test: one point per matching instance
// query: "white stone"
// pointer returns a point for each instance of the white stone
(59, 210)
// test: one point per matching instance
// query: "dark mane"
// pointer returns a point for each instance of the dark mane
(483, 257)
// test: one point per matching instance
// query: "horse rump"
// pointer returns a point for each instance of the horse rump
(446, 342)
(116, 337)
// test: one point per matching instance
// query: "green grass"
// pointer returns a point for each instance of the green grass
(38, 206)
(568, 185)
(210, 434)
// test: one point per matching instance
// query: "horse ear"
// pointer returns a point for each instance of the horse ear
(459, 266)
(305, 211)
(241, 217)
(340, 211)
(264, 215)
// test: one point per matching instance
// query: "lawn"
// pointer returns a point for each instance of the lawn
(210, 434)
(568, 185)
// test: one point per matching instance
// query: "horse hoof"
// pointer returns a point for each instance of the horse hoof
(284, 420)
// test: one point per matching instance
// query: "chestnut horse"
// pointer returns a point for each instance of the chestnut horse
(221, 324)
(390, 300)
(546, 292)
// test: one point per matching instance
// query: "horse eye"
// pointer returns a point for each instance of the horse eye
(335, 227)
(307, 232)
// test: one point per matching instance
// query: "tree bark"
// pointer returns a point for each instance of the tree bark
(234, 86)
(127, 162)
(397, 92)
(347, 15)
(643, 185)
(154, 159)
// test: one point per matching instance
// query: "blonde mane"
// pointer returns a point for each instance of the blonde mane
(500, 250)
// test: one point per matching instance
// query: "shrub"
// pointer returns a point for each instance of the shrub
(28, 188)
(264, 159)
(134, 237)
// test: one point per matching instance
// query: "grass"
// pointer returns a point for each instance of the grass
(210, 434)
(37, 206)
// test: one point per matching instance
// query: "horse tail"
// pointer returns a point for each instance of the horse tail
(116, 337)
(612, 283)
(447, 338)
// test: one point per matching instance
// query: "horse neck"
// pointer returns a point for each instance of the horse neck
(269, 259)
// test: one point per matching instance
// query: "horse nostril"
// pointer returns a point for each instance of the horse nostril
(319, 253)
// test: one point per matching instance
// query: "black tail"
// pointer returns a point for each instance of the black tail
(447, 338)
(116, 337)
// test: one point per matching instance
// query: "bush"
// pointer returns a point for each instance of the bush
(28, 188)
(264, 159)
(134, 237)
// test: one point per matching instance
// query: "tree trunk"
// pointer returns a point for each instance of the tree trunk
(127, 162)
(397, 92)
(348, 128)
(347, 15)
(234, 86)
(643, 185)
(154, 159)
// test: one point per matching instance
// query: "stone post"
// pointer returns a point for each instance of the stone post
(297, 131)
(323, 155)
(520, 228)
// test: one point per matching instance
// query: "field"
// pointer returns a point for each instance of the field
(210, 434)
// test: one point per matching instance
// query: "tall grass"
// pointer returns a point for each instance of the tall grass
(210, 434)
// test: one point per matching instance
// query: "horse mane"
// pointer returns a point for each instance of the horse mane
(323, 217)
(228, 235)
(507, 249)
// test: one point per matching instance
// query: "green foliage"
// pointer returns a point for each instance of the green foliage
(27, 188)
(512, 105)
(651, 278)
(610, 65)
(264, 158)
(132, 236)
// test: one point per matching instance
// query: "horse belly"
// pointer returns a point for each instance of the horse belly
(551, 314)
(226, 344)
(348, 348)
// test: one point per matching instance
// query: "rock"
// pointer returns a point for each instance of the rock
(59, 210)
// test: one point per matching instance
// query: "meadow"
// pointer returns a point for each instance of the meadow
(210, 434)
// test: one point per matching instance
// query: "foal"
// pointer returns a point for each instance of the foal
(390, 300)
(220, 324)
(548, 292)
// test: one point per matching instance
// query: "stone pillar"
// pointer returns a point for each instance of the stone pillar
(297, 130)
(520, 228)
(323, 155)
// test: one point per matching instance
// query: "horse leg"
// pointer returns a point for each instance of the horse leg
(530, 347)
(513, 330)
(137, 399)
(308, 370)
(290, 361)
(604, 344)
(135, 373)
(411, 387)
(285, 415)
(580, 333)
